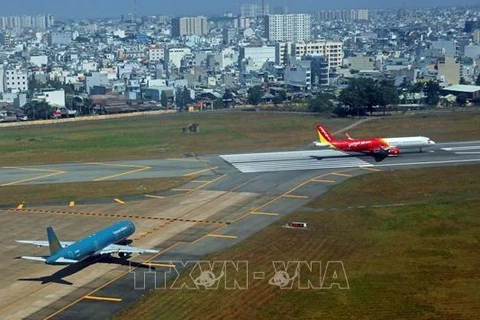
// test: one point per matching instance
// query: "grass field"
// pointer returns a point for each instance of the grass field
(415, 261)
(156, 136)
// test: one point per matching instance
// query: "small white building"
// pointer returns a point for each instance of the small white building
(55, 98)
(174, 56)
(39, 60)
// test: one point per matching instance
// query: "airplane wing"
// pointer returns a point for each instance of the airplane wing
(116, 248)
(40, 243)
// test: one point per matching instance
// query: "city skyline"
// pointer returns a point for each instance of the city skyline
(112, 8)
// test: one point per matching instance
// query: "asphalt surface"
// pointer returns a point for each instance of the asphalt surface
(234, 197)
(211, 165)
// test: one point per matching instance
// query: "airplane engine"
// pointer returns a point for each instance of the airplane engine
(124, 255)
(394, 151)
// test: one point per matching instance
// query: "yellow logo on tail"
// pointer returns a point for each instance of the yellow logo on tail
(324, 136)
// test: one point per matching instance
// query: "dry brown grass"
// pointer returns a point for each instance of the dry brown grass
(12, 195)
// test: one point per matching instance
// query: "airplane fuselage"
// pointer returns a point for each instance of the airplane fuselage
(376, 144)
(92, 244)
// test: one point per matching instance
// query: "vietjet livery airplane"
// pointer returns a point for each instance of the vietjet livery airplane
(380, 148)
(104, 242)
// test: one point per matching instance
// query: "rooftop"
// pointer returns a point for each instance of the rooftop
(463, 88)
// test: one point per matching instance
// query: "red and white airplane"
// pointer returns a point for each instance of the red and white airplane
(379, 148)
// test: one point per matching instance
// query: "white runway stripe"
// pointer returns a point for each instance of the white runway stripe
(293, 160)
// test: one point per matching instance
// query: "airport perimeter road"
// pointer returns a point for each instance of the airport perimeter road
(217, 209)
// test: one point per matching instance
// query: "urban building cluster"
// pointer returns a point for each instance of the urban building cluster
(131, 62)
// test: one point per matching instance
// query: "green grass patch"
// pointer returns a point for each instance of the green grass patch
(157, 136)
(439, 126)
(417, 261)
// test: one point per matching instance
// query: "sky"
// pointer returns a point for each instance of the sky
(114, 8)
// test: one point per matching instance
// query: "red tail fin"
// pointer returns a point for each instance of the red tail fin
(324, 135)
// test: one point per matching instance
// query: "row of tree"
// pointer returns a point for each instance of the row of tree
(362, 96)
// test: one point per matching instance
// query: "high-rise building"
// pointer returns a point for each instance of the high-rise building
(39, 21)
(342, 15)
(294, 27)
(253, 10)
(186, 26)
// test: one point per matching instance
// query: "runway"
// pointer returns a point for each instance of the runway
(231, 198)
(322, 159)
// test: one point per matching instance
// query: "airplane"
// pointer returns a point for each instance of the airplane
(104, 242)
(379, 148)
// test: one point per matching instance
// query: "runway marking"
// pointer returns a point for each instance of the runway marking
(426, 162)
(323, 180)
(183, 189)
(293, 160)
(294, 196)
(182, 159)
(200, 181)
(155, 197)
(119, 201)
(52, 173)
(114, 216)
(200, 171)
(122, 174)
(341, 174)
(264, 213)
(71, 205)
(461, 148)
(102, 298)
(110, 282)
(221, 236)
(166, 265)
(370, 169)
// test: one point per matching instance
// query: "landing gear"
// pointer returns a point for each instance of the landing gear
(124, 255)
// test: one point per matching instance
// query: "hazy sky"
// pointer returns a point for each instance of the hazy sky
(113, 8)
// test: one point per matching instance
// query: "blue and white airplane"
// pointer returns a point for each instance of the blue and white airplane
(104, 242)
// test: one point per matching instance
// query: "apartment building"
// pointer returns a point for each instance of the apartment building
(295, 27)
(186, 26)
(16, 80)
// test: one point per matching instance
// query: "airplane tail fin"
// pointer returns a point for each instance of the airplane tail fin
(53, 241)
(324, 136)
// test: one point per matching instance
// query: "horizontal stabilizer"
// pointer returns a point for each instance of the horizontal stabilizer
(41, 259)
(65, 261)
(42, 243)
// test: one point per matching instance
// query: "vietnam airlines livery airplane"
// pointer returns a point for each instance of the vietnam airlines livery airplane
(380, 148)
(104, 242)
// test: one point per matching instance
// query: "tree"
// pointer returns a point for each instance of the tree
(388, 94)
(164, 99)
(227, 98)
(463, 81)
(182, 97)
(38, 110)
(321, 103)
(432, 92)
(255, 95)
(477, 82)
(462, 99)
